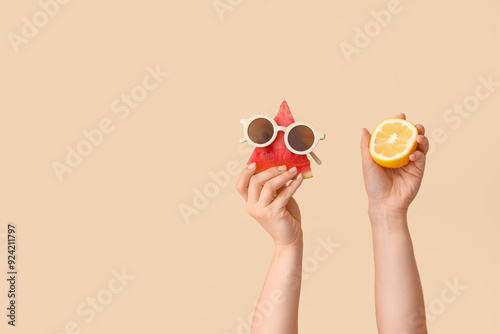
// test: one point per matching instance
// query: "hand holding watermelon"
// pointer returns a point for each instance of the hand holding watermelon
(269, 200)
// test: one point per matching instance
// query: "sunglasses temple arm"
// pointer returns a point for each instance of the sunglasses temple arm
(316, 158)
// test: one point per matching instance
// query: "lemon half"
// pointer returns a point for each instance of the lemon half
(392, 142)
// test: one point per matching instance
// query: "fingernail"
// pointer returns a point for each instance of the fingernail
(412, 156)
(251, 166)
(299, 177)
(282, 168)
(293, 169)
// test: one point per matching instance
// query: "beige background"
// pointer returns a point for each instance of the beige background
(120, 207)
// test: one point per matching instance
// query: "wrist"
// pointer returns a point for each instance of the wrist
(296, 245)
(295, 241)
(290, 255)
(387, 219)
(387, 210)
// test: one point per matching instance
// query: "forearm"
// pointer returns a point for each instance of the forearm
(277, 309)
(398, 291)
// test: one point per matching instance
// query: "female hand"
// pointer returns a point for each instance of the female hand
(394, 188)
(269, 200)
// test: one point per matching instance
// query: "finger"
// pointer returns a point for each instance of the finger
(401, 115)
(257, 182)
(421, 129)
(271, 187)
(244, 180)
(418, 158)
(423, 144)
(365, 148)
(284, 196)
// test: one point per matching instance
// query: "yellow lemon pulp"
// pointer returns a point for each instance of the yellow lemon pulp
(392, 142)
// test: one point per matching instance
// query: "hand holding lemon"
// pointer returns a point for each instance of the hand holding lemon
(393, 163)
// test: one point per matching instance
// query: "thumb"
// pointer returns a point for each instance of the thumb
(365, 149)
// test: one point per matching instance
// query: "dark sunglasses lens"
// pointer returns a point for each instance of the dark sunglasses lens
(301, 138)
(260, 131)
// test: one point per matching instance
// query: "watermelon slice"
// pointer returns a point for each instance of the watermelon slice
(277, 154)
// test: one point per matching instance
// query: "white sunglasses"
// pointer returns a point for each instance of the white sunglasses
(300, 138)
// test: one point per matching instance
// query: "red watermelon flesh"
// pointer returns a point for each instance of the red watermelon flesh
(277, 154)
